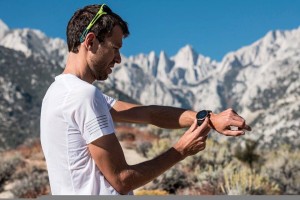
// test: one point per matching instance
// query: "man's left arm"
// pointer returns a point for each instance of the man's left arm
(161, 116)
(172, 117)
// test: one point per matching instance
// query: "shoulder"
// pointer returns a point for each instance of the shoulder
(86, 93)
(77, 91)
(80, 88)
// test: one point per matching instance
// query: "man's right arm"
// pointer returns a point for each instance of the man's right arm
(110, 159)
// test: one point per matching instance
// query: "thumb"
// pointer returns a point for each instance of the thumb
(193, 126)
(204, 127)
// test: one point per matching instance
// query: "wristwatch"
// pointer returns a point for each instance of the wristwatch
(201, 115)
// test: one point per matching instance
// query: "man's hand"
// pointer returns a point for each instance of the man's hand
(194, 139)
(224, 121)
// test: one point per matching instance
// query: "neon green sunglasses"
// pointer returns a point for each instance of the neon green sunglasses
(91, 24)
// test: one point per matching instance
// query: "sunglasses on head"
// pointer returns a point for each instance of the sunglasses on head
(91, 24)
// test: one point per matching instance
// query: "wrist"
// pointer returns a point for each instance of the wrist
(179, 151)
(192, 116)
(211, 120)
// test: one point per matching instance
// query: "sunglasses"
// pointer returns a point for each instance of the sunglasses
(91, 24)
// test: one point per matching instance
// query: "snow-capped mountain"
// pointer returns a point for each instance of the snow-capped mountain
(33, 43)
(165, 80)
(260, 81)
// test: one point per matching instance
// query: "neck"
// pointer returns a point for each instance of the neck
(77, 65)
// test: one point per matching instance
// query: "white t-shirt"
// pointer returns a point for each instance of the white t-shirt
(74, 113)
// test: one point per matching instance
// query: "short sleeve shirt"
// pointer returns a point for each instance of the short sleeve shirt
(74, 113)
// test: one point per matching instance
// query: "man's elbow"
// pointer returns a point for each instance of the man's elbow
(122, 181)
(123, 186)
(123, 190)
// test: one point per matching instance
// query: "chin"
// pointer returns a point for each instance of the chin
(101, 78)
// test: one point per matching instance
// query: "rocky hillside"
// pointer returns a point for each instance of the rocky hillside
(260, 81)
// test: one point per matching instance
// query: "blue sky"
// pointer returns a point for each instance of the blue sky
(212, 27)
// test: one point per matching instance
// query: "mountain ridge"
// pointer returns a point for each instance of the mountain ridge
(257, 80)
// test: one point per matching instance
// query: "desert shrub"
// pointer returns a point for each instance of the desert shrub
(143, 148)
(283, 167)
(240, 179)
(32, 185)
(205, 181)
(223, 168)
(156, 131)
(7, 168)
(216, 155)
(159, 146)
(246, 151)
(232, 166)
(126, 137)
(205, 168)
(171, 181)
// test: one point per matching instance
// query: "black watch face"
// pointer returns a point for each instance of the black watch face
(202, 114)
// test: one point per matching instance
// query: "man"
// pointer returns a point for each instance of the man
(82, 152)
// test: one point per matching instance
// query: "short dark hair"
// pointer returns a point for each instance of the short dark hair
(102, 28)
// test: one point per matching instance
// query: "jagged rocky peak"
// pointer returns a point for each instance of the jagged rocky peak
(26, 40)
(152, 57)
(3, 29)
(281, 36)
(163, 58)
(3, 25)
(272, 36)
(34, 43)
(186, 56)
(267, 49)
(153, 62)
(140, 60)
(164, 66)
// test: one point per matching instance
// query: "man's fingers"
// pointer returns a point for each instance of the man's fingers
(239, 122)
(234, 132)
(230, 109)
(204, 128)
(240, 125)
(204, 124)
(193, 126)
(248, 128)
(205, 132)
(238, 118)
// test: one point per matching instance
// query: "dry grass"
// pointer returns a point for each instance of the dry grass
(150, 192)
(241, 180)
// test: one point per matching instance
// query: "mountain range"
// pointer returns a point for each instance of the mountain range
(260, 81)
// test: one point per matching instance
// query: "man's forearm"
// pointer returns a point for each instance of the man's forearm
(161, 116)
(170, 117)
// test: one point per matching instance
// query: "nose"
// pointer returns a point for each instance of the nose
(118, 58)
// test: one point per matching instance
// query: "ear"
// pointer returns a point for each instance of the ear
(89, 40)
